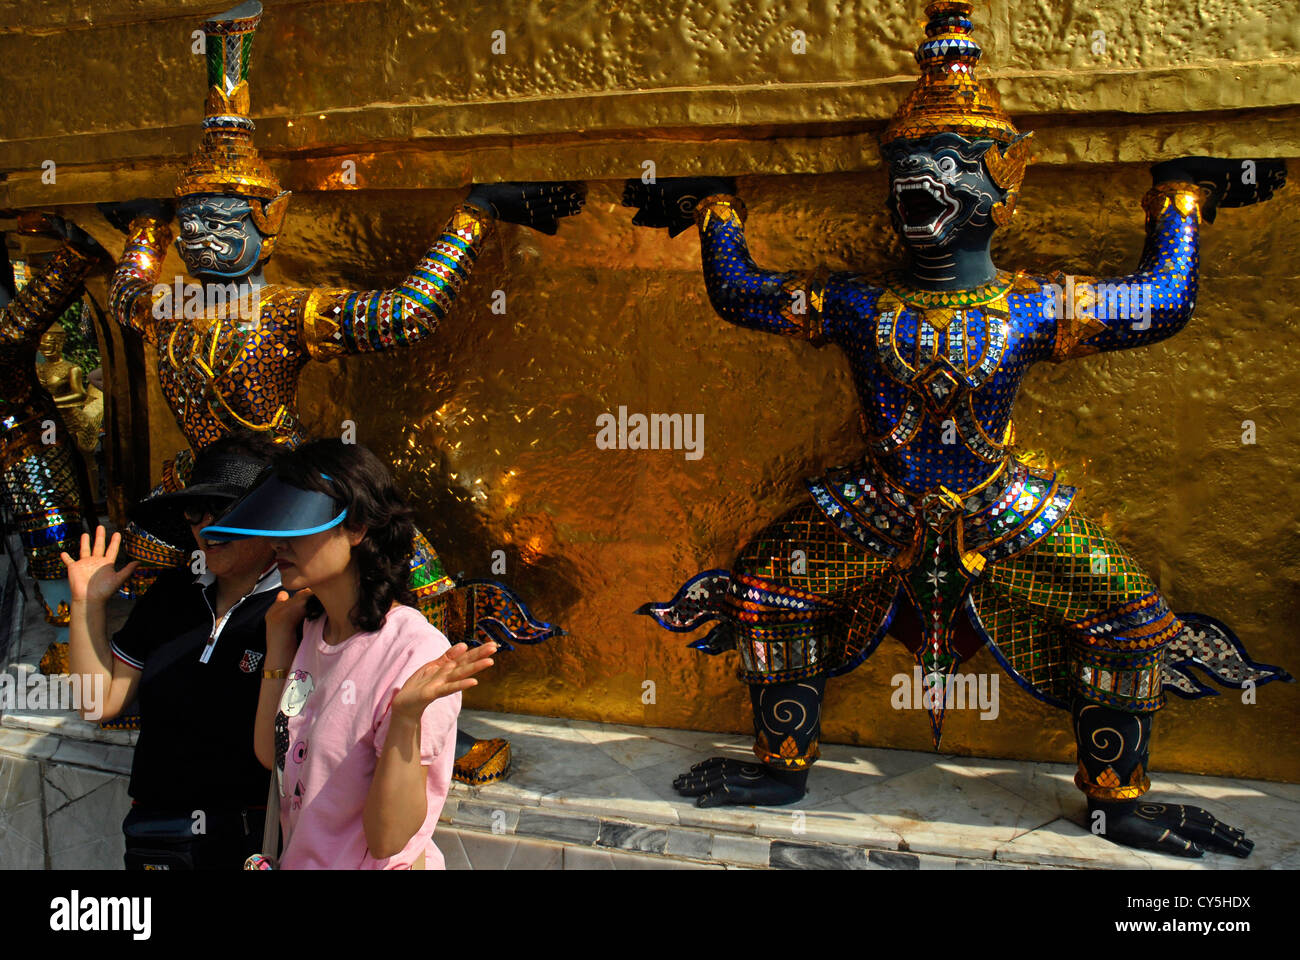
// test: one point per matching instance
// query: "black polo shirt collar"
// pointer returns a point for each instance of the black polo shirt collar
(268, 580)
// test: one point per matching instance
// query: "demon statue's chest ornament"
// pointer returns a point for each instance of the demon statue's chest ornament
(938, 533)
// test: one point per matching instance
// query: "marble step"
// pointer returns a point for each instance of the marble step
(601, 795)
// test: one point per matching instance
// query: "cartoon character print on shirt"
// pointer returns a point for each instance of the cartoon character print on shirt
(294, 698)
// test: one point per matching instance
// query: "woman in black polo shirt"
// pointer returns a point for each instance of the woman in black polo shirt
(192, 649)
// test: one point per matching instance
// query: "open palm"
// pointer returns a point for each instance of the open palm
(451, 673)
(94, 577)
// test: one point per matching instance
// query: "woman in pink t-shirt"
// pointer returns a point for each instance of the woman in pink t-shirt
(359, 722)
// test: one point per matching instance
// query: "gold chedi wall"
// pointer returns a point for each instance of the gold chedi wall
(492, 426)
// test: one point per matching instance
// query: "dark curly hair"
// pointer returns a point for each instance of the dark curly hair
(361, 482)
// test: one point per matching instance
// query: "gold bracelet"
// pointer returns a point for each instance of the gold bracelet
(274, 674)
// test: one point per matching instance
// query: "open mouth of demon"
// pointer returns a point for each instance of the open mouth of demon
(925, 206)
(208, 251)
(221, 248)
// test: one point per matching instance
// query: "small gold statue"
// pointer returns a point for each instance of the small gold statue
(80, 402)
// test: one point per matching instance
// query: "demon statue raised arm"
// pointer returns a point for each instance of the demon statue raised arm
(41, 491)
(234, 368)
(939, 534)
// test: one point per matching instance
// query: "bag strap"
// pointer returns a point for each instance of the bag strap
(271, 832)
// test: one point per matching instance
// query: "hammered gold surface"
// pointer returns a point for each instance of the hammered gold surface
(411, 90)
(492, 425)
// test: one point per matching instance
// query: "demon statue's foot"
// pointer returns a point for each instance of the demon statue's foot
(1113, 760)
(480, 761)
(1172, 828)
(722, 781)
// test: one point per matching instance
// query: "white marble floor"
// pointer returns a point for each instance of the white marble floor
(608, 789)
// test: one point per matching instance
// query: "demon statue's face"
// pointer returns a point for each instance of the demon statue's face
(217, 235)
(940, 189)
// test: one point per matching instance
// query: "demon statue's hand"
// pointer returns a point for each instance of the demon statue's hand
(1171, 828)
(670, 201)
(53, 225)
(121, 214)
(536, 205)
(722, 781)
(1231, 183)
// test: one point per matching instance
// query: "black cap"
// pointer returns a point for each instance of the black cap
(223, 477)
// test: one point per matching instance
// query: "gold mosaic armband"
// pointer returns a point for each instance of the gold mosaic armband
(1184, 196)
(130, 294)
(1074, 328)
(807, 300)
(321, 333)
(720, 207)
(1108, 787)
(787, 756)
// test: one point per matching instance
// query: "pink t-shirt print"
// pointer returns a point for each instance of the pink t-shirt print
(329, 733)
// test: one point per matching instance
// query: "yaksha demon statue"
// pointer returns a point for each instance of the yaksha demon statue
(40, 486)
(939, 534)
(224, 370)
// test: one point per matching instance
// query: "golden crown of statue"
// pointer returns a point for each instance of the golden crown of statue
(226, 160)
(949, 98)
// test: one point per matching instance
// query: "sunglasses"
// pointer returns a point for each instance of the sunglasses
(199, 510)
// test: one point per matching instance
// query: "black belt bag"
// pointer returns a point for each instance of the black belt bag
(166, 840)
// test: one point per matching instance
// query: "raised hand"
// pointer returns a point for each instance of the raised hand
(452, 672)
(536, 205)
(121, 214)
(670, 201)
(52, 225)
(282, 620)
(93, 577)
(1173, 828)
(1231, 183)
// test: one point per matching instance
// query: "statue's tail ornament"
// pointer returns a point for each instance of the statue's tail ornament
(483, 610)
(1208, 644)
(700, 599)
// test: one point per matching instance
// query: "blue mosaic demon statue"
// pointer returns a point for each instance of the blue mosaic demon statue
(939, 534)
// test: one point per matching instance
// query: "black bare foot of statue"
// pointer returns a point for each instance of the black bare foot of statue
(723, 781)
(1171, 828)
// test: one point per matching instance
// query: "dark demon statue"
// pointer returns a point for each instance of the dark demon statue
(939, 534)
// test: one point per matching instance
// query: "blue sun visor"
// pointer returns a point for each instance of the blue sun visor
(277, 509)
